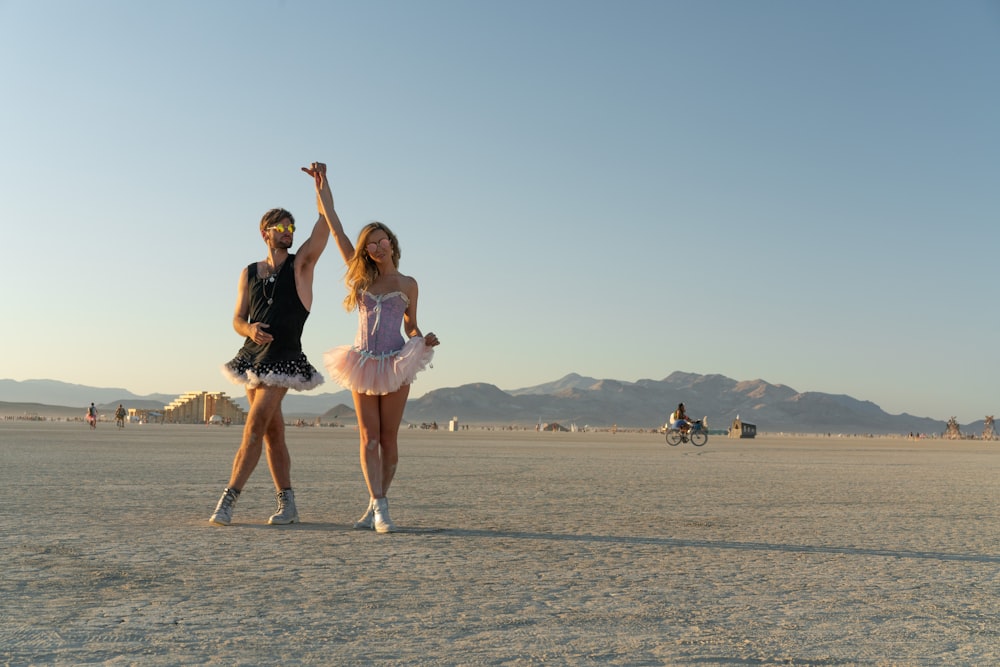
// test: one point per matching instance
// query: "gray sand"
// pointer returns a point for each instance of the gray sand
(518, 548)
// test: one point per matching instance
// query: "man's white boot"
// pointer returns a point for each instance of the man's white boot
(287, 512)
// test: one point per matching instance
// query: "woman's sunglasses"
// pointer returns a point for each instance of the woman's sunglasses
(384, 243)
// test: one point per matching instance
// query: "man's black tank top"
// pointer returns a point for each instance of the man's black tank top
(276, 304)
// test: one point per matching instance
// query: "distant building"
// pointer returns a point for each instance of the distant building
(144, 416)
(741, 429)
(198, 407)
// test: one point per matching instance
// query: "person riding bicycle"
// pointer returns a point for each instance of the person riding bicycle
(120, 415)
(679, 419)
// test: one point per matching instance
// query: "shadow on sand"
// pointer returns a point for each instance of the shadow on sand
(649, 541)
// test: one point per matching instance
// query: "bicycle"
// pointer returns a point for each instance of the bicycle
(697, 434)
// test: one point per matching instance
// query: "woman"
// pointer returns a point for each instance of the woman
(679, 418)
(380, 366)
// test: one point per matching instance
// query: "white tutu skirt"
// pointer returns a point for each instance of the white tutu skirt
(377, 375)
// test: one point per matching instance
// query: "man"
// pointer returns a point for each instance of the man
(273, 300)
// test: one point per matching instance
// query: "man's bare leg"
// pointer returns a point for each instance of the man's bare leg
(280, 463)
(264, 403)
(278, 458)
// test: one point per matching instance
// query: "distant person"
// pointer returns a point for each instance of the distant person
(120, 415)
(92, 416)
(274, 297)
(679, 419)
(380, 366)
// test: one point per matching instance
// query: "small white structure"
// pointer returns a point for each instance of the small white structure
(453, 424)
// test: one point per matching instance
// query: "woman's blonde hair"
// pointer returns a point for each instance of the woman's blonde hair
(361, 269)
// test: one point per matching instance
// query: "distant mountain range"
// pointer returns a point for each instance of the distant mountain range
(573, 399)
(580, 400)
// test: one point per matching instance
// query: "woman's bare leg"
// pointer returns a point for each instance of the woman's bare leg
(391, 409)
(367, 409)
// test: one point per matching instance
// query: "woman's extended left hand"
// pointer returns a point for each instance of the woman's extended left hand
(431, 339)
(318, 171)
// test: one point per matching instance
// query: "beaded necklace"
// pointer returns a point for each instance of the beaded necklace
(272, 280)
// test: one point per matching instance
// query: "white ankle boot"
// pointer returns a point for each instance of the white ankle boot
(223, 514)
(383, 524)
(287, 512)
(367, 520)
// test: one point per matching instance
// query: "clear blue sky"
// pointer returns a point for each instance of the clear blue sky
(802, 192)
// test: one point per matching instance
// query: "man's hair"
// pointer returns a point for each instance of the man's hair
(274, 216)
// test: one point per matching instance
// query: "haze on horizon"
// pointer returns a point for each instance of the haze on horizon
(802, 193)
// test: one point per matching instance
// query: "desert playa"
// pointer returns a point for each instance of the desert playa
(519, 548)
